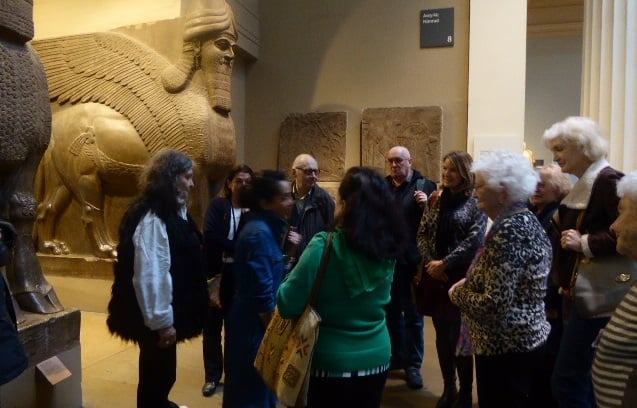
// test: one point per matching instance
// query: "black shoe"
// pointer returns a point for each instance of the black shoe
(414, 379)
(463, 400)
(209, 388)
(448, 398)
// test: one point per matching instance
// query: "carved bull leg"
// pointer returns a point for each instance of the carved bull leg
(51, 207)
(27, 283)
(92, 202)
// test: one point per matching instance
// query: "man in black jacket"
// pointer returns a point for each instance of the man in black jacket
(314, 208)
(404, 323)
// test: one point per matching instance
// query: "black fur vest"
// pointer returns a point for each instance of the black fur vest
(186, 269)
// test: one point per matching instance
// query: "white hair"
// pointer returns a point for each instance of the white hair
(506, 171)
(583, 132)
(627, 186)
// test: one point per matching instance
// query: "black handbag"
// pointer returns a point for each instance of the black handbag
(600, 283)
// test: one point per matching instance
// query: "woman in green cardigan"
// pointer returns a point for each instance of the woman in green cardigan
(351, 358)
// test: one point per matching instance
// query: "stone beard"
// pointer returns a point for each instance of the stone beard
(216, 63)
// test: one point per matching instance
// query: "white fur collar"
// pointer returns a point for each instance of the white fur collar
(581, 193)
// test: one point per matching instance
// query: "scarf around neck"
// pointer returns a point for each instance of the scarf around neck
(580, 194)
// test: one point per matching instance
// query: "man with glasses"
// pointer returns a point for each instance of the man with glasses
(314, 208)
(404, 323)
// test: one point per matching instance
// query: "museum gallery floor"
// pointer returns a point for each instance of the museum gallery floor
(109, 367)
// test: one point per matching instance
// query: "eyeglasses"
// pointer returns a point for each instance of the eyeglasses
(309, 172)
(241, 181)
(397, 160)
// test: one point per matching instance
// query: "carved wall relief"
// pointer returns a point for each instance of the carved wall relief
(419, 129)
(321, 134)
(115, 103)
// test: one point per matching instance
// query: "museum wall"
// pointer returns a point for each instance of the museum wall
(55, 18)
(340, 56)
(553, 86)
(335, 56)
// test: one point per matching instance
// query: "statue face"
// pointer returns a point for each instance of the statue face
(217, 56)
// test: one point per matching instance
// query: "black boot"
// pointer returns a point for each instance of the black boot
(446, 339)
(465, 375)
(448, 397)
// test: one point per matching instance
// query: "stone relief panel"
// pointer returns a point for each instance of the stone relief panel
(116, 101)
(321, 134)
(419, 129)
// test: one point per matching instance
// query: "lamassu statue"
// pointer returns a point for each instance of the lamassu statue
(25, 126)
(116, 102)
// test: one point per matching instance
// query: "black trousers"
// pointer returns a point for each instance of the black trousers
(447, 332)
(212, 349)
(157, 374)
(504, 380)
(360, 392)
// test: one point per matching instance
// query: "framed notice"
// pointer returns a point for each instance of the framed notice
(436, 28)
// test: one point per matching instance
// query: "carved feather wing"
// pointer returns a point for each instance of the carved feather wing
(118, 71)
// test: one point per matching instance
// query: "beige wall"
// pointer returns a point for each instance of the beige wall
(497, 62)
(55, 18)
(334, 55)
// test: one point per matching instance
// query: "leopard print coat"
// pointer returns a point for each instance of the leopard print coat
(503, 298)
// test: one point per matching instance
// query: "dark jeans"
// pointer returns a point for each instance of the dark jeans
(572, 382)
(212, 349)
(404, 323)
(157, 374)
(360, 392)
(447, 332)
(504, 380)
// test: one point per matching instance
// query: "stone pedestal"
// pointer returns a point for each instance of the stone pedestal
(45, 337)
(77, 266)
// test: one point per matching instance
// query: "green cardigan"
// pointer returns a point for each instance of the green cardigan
(353, 335)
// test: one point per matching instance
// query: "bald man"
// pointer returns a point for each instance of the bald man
(314, 208)
(405, 324)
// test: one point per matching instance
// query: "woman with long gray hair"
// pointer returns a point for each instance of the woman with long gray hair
(159, 292)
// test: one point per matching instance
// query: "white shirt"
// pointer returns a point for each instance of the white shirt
(151, 271)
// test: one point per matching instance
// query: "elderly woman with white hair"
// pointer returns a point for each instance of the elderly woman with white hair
(615, 363)
(502, 296)
(582, 220)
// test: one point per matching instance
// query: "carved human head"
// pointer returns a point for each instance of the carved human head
(210, 36)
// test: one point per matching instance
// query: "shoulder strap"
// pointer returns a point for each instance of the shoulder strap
(321, 273)
(420, 184)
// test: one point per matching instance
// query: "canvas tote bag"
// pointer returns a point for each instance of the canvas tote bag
(285, 354)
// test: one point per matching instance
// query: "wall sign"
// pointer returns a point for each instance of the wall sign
(436, 28)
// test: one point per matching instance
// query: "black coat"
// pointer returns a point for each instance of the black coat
(404, 196)
(190, 298)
